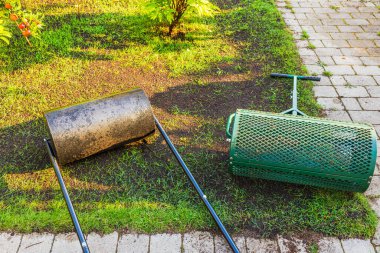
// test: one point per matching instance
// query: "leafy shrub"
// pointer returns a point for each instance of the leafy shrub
(15, 20)
(4, 33)
(170, 12)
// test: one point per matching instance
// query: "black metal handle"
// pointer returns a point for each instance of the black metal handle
(197, 188)
(70, 207)
(311, 78)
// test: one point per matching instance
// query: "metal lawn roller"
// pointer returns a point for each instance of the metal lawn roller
(292, 147)
(85, 129)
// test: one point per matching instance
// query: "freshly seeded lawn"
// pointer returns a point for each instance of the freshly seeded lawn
(96, 48)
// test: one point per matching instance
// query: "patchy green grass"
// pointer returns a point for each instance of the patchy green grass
(99, 48)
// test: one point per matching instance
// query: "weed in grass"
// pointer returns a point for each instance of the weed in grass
(313, 248)
(199, 82)
(348, 85)
(304, 35)
(175, 110)
(322, 64)
(334, 7)
(239, 68)
(219, 72)
(310, 46)
(289, 6)
(327, 73)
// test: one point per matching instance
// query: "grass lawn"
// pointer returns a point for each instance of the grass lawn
(96, 48)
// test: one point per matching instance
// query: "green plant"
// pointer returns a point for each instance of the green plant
(170, 12)
(313, 248)
(327, 73)
(311, 46)
(304, 35)
(4, 33)
(322, 64)
(27, 23)
(334, 7)
(348, 85)
(289, 6)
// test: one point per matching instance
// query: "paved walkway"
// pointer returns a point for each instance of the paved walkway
(337, 38)
(340, 39)
(170, 243)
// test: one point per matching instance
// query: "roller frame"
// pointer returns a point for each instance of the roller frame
(75, 220)
(66, 196)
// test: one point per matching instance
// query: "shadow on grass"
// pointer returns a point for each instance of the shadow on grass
(22, 148)
(219, 99)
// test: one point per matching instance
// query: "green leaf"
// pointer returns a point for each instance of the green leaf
(6, 40)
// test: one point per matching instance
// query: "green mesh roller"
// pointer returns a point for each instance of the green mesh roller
(301, 149)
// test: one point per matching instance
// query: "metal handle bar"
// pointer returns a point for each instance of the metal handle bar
(228, 133)
(197, 188)
(75, 220)
(312, 78)
(73, 216)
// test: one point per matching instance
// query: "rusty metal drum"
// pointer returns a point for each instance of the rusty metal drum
(88, 128)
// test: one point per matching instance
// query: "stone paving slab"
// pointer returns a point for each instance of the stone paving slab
(375, 204)
(338, 115)
(377, 128)
(133, 243)
(374, 91)
(361, 80)
(352, 91)
(357, 245)
(202, 242)
(261, 245)
(9, 243)
(221, 245)
(291, 245)
(165, 243)
(324, 91)
(370, 104)
(32, 243)
(330, 245)
(376, 238)
(372, 117)
(374, 188)
(331, 103)
(338, 80)
(100, 244)
(351, 104)
(66, 243)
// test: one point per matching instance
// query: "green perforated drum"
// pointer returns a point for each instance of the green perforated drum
(302, 150)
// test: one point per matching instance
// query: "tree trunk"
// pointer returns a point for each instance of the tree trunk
(180, 8)
(171, 27)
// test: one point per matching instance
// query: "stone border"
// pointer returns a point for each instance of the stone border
(193, 242)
